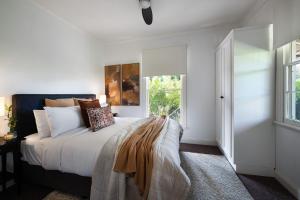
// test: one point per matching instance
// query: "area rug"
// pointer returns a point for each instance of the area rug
(212, 178)
(56, 195)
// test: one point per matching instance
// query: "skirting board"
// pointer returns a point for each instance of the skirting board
(200, 142)
(229, 159)
(258, 170)
(288, 185)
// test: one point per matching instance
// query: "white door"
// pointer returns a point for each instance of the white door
(223, 97)
(227, 93)
(219, 99)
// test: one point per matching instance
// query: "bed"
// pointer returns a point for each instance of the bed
(74, 152)
(68, 162)
(23, 105)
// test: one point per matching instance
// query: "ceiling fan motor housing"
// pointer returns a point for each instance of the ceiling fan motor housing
(145, 4)
(146, 11)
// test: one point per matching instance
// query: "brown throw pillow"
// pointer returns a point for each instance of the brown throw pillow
(59, 102)
(84, 105)
(77, 99)
(100, 117)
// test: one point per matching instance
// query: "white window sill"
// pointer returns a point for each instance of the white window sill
(289, 126)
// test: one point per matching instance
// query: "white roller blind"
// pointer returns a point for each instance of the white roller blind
(286, 21)
(164, 61)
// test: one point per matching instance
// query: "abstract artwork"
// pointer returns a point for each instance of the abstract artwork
(113, 84)
(122, 84)
(131, 84)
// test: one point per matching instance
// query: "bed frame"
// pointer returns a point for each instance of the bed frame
(23, 106)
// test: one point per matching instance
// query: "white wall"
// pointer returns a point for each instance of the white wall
(287, 158)
(287, 148)
(200, 77)
(40, 53)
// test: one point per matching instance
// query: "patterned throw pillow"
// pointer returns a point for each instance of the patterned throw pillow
(100, 118)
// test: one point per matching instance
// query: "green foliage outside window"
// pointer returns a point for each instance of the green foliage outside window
(164, 95)
(298, 89)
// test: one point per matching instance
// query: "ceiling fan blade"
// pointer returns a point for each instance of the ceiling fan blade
(147, 15)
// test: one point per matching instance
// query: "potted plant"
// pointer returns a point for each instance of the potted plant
(12, 122)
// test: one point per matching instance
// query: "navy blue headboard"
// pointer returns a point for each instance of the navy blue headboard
(24, 104)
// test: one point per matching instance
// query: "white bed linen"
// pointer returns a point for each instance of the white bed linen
(31, 149)
(73, 152)
(168, 179)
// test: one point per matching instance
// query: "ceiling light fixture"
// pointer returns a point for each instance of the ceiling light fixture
(146, 11)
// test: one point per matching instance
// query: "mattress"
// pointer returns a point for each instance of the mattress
(74, 152)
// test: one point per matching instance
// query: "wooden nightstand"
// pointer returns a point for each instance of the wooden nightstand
(13, 146)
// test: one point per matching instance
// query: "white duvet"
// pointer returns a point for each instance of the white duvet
(73, 152)
(168, 180)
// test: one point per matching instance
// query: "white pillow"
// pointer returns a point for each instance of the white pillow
(42, 123)
(63, 119)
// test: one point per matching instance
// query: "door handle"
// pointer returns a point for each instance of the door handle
(221, 97)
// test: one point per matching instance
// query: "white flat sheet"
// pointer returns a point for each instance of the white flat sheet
(73, 152)
(31, 149)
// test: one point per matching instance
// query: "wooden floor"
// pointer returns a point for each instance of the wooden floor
(261, 188)
(200, 149)
(265, 188)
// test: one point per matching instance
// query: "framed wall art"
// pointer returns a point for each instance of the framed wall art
(122, 84)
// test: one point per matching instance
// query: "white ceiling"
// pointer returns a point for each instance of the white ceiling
(122, 20)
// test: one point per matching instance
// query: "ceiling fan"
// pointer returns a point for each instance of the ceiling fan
(146, 11)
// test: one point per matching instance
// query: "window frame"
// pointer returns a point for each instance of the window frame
(289, 87)
(183, 97)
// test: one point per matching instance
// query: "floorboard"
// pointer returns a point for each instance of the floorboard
(265, 188)
(200, 149)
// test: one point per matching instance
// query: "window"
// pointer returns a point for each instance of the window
(292, 84)
(297, 49)
(165, 96)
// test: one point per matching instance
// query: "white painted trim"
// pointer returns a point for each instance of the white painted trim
(253, 169)
(229, 36)
(292, 122)
(168, 35)
(288, 184)
(292, 63)
(249, 28)
(63, 20)
(183, 101)
(146, 81)
(232, 41)
(230, 160)
(259, 5)
(292, 127)
(280, 85)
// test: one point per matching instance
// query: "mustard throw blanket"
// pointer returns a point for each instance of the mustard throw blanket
(135, 156)
(168, 179)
